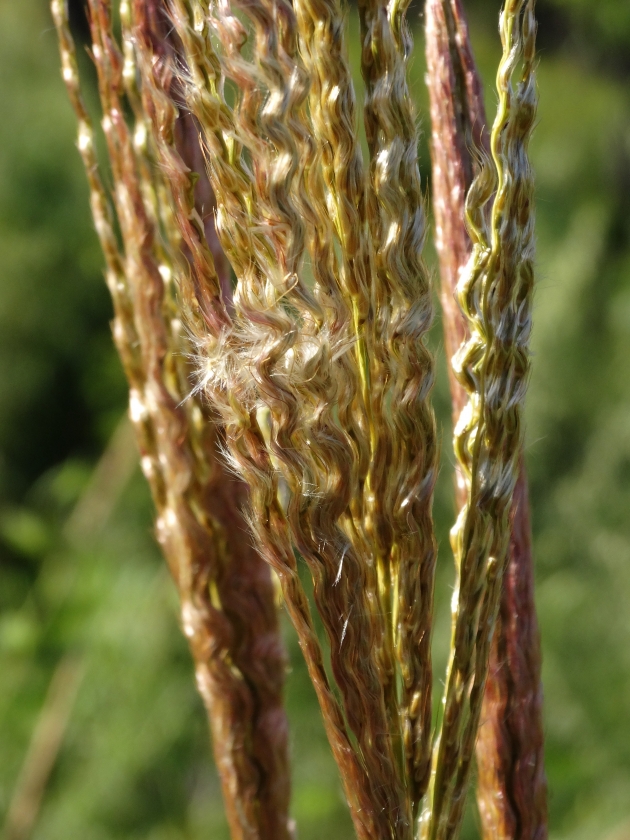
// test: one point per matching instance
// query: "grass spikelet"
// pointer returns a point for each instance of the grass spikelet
(511, 786)
(495, 293)
(286, 337)
(226, 594)
(332, 105)
(271, 309)
(333, 114)
(458, 123)
(258, 459)
(403, 316)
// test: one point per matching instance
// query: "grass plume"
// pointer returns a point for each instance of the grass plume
(228, 611)
(272, 308)
(495, 292)
(511, 786)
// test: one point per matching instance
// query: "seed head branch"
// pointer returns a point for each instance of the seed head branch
(403, 315)
(228, 612)
(289, 347)
(249, 248)
(495, 292)
(511, 787)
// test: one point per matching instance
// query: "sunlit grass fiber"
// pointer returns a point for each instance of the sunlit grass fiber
(271, 312)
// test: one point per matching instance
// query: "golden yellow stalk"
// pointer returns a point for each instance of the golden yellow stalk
(316, 376)
(495, 293)
(343, 202)
(225, 589)
(286, 338)
(289, 387)
(333, 201)
(318, 457)
(406, 469)
(511, 785)
(333, 114)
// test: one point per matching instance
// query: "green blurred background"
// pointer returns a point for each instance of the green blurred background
(88, 615)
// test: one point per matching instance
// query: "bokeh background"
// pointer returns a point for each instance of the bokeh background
(99, 716)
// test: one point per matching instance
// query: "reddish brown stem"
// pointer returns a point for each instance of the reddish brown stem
(511, 788)
(226, 591)
(156, 32)
(260, 788)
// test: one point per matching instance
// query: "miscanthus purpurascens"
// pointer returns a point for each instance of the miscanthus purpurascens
(312, 376)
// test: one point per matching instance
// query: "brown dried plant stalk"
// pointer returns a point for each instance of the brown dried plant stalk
(311, 379)
(228, 611)
(511, 786)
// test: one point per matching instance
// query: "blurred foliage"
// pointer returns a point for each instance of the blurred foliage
(134, 761)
